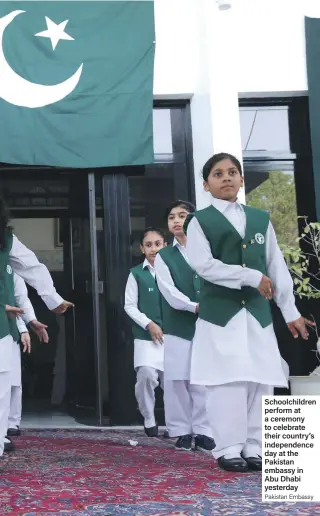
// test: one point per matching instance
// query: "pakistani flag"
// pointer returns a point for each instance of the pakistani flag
(76, 82)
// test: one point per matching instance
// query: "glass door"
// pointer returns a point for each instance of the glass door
(79, 235)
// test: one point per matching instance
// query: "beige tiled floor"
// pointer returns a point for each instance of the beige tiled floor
(37, 421)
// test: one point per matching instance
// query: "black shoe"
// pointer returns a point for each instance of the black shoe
(236, 464)
(202, 442)
(254, 463)
(184, 443)
(14, 432)
(151, 432)
(166, 434)
(8, 445)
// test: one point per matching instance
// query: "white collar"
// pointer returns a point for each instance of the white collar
(176, 243)
(146, 263)
(222, 205)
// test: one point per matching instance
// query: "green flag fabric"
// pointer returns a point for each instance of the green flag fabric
(76, 83)
(312, 32)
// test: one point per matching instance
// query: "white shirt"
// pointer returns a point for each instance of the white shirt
(166, 285)
(177, 351)
(242, 350)
(22, 299)
(146, 353)
(25, 263)
(132, 297)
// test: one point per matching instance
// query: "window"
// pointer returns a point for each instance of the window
(269, 166)
(270, 186)
(154, 187)
(265, 129)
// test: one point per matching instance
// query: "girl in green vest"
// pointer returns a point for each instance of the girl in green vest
(18, 294)
(179, 284)
(235, 352)
(25, 264)
(142, 304)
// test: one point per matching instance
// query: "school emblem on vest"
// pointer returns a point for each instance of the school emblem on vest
(259, 238)
(9, 269)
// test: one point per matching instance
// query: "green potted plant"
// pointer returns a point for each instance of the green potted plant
(303, 260)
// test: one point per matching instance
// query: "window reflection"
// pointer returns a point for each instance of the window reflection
(265, 129)
(162, 132)
(274, 191)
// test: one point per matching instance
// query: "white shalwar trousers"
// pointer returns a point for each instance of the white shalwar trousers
(16, 388)
(235, 412)
(6, 348)
(14, 419)
(185, 408)
(148, 379)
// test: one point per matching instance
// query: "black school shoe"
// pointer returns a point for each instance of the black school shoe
(8, 445)
(184, 443)
(254, 463)
(237, 464)
(151, 432)
(14, 432)
(203, 442)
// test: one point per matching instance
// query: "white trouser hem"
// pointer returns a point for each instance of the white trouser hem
(202, 430)
(236, 449)
(179, 432)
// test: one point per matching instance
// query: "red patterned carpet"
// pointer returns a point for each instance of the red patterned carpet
(99, 473)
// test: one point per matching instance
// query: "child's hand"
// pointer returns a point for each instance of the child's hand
(61, 309)
(26, 342)
(300, 326)
(14, 311)
(40, 330)
(266, 288)
(197, 309)
(155, 332)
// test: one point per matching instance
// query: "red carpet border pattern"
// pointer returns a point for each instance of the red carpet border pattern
(91, 473)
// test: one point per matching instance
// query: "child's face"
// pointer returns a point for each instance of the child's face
(151, 245)
(224, 181)
(176, 219)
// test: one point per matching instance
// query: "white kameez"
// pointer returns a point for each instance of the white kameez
(242, 350)
(177, 351)
(148, 355)
(185, 404)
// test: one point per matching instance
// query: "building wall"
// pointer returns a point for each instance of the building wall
(257, 48)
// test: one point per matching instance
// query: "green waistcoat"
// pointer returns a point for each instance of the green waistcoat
(218, 305)
(148, 300)
(9, 284)
(180, 323)
(4, 259)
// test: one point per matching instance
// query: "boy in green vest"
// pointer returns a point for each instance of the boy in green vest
(142, 304)
(179, 284)
(235, 352)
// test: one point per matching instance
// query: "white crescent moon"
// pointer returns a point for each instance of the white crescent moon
(20, 92)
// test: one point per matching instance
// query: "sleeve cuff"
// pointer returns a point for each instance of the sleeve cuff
(27, 317)
(192, 307)
(290, 314)
(21, 326)
(252, 278)
(53, 301)
(146, 322)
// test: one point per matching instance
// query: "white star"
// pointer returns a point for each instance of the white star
(55, 32)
